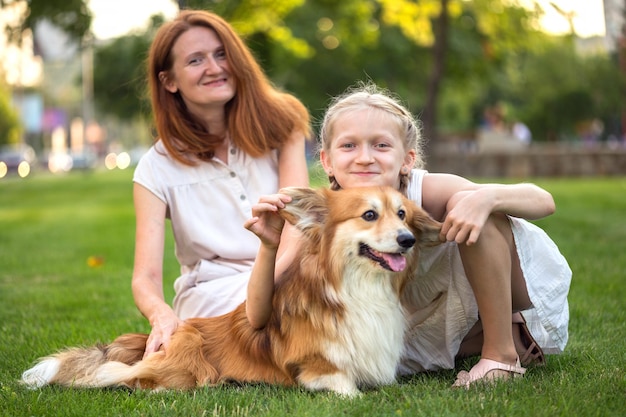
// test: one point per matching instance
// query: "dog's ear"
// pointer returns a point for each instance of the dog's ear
(307, 210)
(427, 228)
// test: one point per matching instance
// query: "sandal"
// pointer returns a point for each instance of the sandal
(533, 355)
(487, 370)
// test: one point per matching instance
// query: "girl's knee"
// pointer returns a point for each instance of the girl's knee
(496, 236)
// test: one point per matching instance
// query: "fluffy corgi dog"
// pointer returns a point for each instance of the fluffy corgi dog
(337, 323)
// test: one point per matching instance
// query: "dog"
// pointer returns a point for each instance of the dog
(337, 323)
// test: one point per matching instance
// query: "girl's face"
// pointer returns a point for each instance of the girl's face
(200, 71)
(366, 149)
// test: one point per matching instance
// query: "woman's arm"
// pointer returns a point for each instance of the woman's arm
(147, 282)
(464, 206)
(292, 166)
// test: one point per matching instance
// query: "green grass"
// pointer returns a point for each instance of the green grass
(50, 298)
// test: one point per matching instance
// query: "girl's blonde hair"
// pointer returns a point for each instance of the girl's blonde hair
(370, 96)
(260, 117)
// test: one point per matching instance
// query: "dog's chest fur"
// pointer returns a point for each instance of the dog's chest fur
(370, 334)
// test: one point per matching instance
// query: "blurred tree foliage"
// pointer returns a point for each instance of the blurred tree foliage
(493, 54)
(10, 127)
(118, 77)
(120, 86)
(555, 90)
(251, 17)
(71, 16)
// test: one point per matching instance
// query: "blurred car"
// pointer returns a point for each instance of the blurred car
(18, 158)
(83, 161)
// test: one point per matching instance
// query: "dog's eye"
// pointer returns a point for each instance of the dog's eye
(401, 214)
(369, 216)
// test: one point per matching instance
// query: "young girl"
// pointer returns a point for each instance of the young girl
(493, 264)
(226, 136)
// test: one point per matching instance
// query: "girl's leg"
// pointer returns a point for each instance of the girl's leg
(493, 271)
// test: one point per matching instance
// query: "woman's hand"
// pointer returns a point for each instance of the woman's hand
(266, 223)
(164, 324)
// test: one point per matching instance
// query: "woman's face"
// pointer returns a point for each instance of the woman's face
(200, 71)
(366, 149)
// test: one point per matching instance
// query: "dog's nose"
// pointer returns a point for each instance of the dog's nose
(405, 239)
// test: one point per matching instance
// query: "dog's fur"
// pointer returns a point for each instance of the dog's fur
(337, 322)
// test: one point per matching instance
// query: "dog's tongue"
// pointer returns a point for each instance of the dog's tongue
(396, 262)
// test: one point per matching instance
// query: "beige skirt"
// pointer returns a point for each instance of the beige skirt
(442, 307)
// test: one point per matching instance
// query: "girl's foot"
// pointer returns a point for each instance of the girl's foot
(488, 371)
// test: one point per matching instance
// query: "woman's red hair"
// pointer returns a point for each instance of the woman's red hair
(260, 118)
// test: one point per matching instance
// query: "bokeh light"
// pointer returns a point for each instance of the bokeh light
(330, 42)
(59, 162)
(123, 160)
(23, 169)
(120, 161)
(325, 24)
(110, 161)
(3, 169)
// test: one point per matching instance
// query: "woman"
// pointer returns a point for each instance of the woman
(225, 137)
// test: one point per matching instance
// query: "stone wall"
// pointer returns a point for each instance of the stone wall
(536, 161)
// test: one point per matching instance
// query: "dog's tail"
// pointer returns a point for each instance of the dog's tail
(79, 367)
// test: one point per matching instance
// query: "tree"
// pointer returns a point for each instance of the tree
(440, 48)
(425, 23)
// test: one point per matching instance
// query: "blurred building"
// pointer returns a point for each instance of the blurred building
(614, 11)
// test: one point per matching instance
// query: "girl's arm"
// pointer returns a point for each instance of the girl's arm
(269, 227)
(464, 206)
(278, 241)
(147, 282)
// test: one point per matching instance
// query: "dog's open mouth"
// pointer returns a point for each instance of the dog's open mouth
(392, 261)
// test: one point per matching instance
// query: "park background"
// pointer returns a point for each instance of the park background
(477, 73)
(66, 238)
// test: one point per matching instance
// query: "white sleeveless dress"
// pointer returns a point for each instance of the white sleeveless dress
(444, 307)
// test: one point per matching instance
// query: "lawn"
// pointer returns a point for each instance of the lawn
(51, 297)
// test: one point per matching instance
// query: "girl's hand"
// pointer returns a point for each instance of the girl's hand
(266, 223)
(467, 212)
